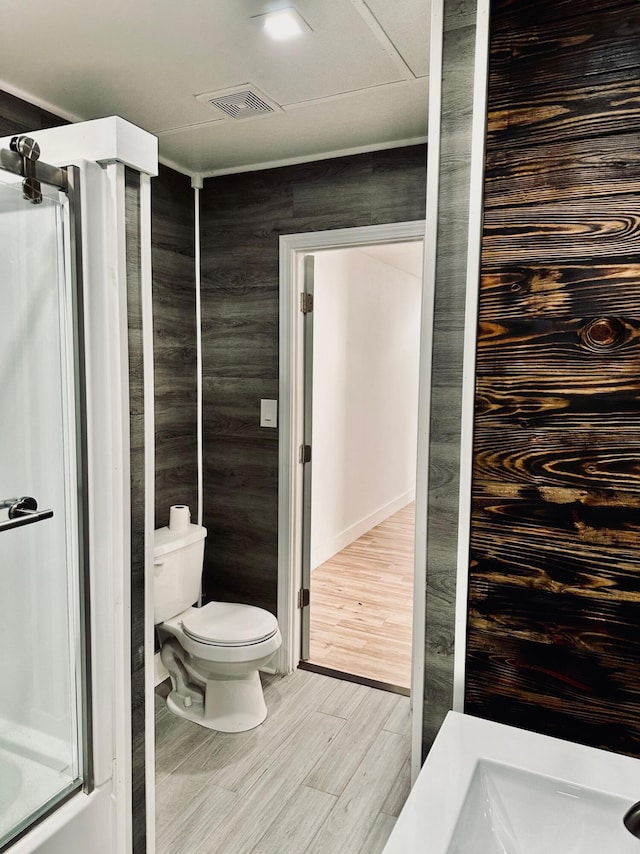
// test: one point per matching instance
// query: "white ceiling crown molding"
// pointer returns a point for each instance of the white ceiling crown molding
(39, 102)
(312, 158)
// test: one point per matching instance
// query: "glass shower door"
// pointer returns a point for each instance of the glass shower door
(41, 716)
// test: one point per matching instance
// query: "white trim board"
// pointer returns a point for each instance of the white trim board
(292, 250)
(196, 224)
(311, 158)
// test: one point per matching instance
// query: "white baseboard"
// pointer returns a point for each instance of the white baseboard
(160, 671)
(340, 541)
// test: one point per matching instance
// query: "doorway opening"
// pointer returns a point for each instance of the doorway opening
(349, 414)
(363, 385)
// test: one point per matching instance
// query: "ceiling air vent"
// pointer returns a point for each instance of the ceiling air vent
(246, 102)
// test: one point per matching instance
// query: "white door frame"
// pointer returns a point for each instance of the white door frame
(291, 399)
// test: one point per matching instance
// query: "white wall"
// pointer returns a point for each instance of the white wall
(365, 396)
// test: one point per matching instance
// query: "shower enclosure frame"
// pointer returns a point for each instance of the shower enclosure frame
(66, 180)
(100, 821)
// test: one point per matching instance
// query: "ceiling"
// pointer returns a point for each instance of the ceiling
(357, 81)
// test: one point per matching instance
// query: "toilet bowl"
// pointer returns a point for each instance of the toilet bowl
(213, 653)
(220, 648)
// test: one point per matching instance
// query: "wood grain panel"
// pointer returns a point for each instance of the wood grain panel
(315, 200)
(447, 372)
(244, 345)
(576, 341)
(563, 460)
(546, 531)
(540, 401)
(137, 497)
(589, 43)
(18, 116)
(556, 232)
(555, 543)
(568, 112)
(557, 172)
(174, 342)
(585, 69)
(559, 290)
(229, 410)
(544, 687)
(243, 217)
(512, 15)
(241, 517)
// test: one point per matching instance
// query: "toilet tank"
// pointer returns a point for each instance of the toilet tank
(177, 569)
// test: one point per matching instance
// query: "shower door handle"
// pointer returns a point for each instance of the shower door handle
(23, 511)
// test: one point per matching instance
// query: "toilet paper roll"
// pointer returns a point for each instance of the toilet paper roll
(179, 518)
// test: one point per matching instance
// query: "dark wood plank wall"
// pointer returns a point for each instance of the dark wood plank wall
(458, 51)
(174, 342)
(554, 602)
(137, 495)
(242, 219)
(18, 116)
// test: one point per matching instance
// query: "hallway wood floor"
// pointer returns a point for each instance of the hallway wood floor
(327, 772)
(362, 604)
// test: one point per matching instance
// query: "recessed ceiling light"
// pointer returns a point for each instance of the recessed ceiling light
(284, 24)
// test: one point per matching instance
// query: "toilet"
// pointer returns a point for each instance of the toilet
(212, 653)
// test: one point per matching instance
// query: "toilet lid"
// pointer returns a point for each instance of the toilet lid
(229, 624)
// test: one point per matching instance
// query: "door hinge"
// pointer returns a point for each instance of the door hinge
(304, 454)
(304, 597)
(306, 303)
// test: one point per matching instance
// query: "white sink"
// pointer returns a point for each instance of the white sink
(487, 788)
(511, 811)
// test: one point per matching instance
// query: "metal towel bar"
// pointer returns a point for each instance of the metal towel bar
(22, 511)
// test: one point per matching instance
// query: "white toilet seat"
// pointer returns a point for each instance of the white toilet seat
(228, 624)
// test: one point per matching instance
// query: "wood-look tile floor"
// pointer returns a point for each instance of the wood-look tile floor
(326, 773)
(362, 604)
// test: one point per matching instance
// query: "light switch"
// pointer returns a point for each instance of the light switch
(268, 413)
